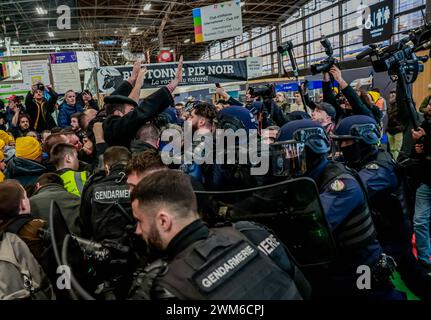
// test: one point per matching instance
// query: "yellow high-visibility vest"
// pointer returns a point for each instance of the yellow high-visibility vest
(74, 181)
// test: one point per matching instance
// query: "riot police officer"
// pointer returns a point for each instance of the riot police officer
(105, 208)
(306, 145)
(357, 138)
(205, 263)
(224, 176)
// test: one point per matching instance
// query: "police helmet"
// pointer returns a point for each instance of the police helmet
(288, 154)
(359, 127)
(298, 115)
(235, 118)
(308, 132)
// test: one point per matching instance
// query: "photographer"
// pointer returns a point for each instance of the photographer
(358, 107)
(264, 107)
(39, 108)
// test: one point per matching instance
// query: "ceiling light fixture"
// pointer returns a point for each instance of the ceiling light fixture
(51, 34)
(133, 29)
(147, 6)
(15, 43)
(242, 4)
(187, 41)
(41, 11)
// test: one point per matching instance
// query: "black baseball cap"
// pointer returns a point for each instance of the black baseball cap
(328, 108)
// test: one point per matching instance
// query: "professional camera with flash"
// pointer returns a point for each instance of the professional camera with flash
(325, 65)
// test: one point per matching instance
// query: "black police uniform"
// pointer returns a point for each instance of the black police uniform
(120, 131)
(223, 263)
(388, 201)
(106, 209)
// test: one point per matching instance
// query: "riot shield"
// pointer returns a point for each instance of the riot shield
(67, 252)
(291, 209)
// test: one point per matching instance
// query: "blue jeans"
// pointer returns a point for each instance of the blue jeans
(421, 222)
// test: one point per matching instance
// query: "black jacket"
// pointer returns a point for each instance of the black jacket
(358, 108)
(40, 118)
(120, 131)
(23, 170)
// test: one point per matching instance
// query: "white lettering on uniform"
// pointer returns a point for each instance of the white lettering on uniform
(268, 245)
(229, 265)
(111, 194)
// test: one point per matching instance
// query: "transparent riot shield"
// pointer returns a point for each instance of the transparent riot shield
(291, 209)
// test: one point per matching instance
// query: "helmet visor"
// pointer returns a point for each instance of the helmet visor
(288, 159)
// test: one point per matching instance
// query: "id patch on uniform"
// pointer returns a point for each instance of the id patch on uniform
(111, 194)
(337, 186)
(372, 166)
(216, 273)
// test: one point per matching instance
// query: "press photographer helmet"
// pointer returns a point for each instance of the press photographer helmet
(325, 65)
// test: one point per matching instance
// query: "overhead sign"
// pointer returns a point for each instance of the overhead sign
(379, 22)
(34, 71)
(217, 21)
(160, 74)
(254, 67)
(88, 59)
(65, 72)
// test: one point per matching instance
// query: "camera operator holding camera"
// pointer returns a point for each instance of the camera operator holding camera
(358, 107)
(264, 107)
(39, 108)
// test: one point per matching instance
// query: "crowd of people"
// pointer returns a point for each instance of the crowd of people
(103, 167)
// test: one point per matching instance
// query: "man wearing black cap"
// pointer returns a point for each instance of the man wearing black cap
(324, 113)
(125, 116)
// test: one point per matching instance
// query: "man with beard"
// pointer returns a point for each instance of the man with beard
(39, 108)
(21, 127)
(202, 117)
(202, 263)
(202, 120)
(325, 114)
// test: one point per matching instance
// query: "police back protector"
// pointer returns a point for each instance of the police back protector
(357, 230)
(226, 266)
(111, 209)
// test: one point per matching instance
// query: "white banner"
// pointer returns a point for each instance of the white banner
(254, 67)
(35, 71)
(217, 21)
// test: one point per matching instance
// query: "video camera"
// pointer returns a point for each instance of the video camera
(402, 64)
(401, 54)
(265, 92)
(325, 65)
